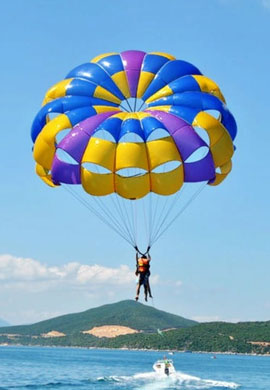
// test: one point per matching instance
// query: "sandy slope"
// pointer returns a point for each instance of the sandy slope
(110, 331)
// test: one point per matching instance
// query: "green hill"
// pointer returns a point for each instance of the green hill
(243, 337)
(126, 313)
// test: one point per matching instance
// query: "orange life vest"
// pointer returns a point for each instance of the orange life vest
(143, 265)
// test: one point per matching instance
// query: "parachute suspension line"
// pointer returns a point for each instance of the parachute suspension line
(148, 206)
(159, 218)
(97, 214)
(148, 211)
(134, 215)
(105, 209)
(123, 108)
(108, 213)
(158, 215)
(130, 214)
(154, 217)
(111, 224)
(146, 222)
(170, 209)
(121, 223)
(141, 106)
(128, 105)
(150, 203)
(114, 223)
(121, 214)
(128, 219)
(181, 211)
(165, 213)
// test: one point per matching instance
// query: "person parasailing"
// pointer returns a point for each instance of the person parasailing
(143, 271)
(133, 162)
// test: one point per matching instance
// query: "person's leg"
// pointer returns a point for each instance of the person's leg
(149, 289)
(140, 281)
(138, 291)
(145, 285)
(145, 292)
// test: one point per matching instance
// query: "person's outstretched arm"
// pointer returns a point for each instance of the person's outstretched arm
(137, 258)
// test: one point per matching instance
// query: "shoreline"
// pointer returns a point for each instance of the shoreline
(138, 350)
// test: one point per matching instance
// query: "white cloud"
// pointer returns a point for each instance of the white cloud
(29, 274)
(32, 291)
(99, 274)
(20, 271)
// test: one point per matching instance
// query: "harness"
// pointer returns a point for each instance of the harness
(143, 265)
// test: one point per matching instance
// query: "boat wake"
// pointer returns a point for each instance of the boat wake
(140, 381)
(178, 380)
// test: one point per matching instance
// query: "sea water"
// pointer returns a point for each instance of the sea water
(27, 368)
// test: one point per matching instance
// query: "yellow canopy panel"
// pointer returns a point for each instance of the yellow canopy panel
(101, 152)
(44, 147)
(161, 151)
(96, 183)
(120, 80)
(225, 170)
(221, 144)
(131, 155)
(132, 187)
(167, 183)
(144, 80)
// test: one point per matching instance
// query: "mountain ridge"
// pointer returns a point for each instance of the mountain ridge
(242, 337)
(126, 313)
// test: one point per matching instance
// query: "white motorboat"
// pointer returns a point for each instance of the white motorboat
(164, 366)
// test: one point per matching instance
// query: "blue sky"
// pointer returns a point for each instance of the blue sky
(54, 256)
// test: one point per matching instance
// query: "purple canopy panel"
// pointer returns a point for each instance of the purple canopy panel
(202, 170)
(89, 125)
(63, 172)
(187, 141)
(133, 79)
(170, 121)
(75, 142)
(132, 61)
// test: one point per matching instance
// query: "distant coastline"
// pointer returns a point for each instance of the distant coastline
(129, 325)
(163, 351)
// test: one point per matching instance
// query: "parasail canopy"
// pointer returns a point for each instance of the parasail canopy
(132, 129)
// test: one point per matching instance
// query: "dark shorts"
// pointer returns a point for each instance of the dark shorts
(143, 279)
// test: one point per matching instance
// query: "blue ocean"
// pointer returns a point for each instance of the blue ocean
(44, 368)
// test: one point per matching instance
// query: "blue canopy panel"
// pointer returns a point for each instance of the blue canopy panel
(81, 87)
(112, 126)
(153, 62)
(188, 104)
(184, 84)
(112, 64)
(169, 72)
(94, 72)
(132, 126)
(66, 105)
(151, 124)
